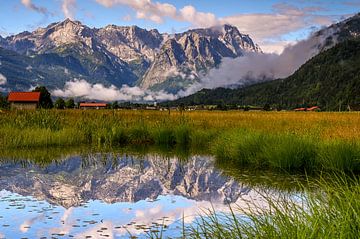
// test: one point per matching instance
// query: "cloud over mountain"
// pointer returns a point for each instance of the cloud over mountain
(3, 79)
(68, 7)
(83, 89)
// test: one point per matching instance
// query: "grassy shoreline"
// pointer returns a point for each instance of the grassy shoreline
(330, 209)
(286, 141)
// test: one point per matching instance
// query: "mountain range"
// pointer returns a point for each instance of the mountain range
(116, 55)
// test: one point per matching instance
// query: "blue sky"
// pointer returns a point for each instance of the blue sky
(271, 23)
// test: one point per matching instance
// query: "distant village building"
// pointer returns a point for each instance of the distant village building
(151, 108)
(93, 105)
(24, 100)
(314, 108)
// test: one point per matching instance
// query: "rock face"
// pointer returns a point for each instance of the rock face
(130, 43)
(116, 55)
(188, 55)
(44, 40)
(2, 41)
(120, 179)
(67, 50)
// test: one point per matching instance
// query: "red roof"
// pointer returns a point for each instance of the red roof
(24, 97)
(93, 104)
(313, 108)
(308, 109)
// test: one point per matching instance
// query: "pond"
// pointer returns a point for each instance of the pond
(117, 195)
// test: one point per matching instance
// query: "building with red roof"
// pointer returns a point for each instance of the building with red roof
(314, 108)
(93, 105)
(24, 100)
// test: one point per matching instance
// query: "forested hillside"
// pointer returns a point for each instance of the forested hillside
(330, 80)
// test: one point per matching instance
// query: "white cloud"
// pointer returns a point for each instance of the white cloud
(201, 19)
(127, 18)
(156, 12)
(67, 223)
(68, 8)
(145, 9)
(276, 47)
(28, 4)
(83, 89)
(268, 29)
(3, 79)
(24, 227)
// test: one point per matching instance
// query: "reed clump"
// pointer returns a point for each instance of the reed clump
(287, 152)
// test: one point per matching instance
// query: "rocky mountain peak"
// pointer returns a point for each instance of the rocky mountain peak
(194, 52)
(229, 27)
(67, 25)
(46, 39)
(130, 43)
(69, 21)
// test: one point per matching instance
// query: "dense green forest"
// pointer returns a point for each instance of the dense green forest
(330, 80)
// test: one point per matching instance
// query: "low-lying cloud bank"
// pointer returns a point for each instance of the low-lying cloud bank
(3, 79)
(80, 88)
(257, 67)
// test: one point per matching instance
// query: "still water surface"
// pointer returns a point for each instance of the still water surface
(114, 196)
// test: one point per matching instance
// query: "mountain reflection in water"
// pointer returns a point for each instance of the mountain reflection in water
(112, 196)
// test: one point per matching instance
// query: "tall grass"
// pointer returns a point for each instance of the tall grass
(340, 156)
(329, 210)
(287, 152)
(286, 141)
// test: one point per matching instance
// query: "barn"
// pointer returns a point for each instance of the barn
(24, 100)
(92, 105)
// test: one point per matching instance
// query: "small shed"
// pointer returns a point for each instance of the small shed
(93, 105)
(24, 100)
